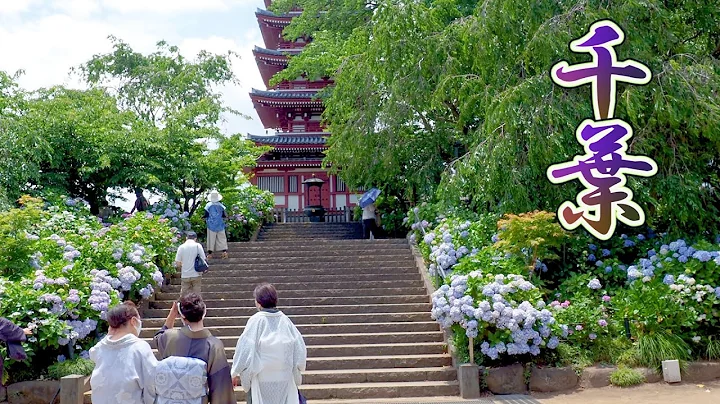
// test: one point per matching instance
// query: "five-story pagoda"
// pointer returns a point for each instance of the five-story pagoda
(293, 111)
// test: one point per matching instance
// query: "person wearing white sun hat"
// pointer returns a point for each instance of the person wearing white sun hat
(215, 216)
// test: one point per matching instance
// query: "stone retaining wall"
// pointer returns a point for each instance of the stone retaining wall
(514, 379)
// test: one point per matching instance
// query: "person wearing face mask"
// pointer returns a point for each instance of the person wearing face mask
(124, 364)
(270, 354)
(190, 347)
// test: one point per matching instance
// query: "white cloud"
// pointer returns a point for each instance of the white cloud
(168, 6)
(48, 47)
(8, 7)
(77, 8)
(46, 38)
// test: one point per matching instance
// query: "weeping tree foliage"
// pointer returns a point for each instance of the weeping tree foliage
(448, 99)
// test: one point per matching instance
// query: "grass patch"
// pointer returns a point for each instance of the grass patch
(630, 357)
(574, 356)
(79, 366)
(626, 377)
(713, 349)
(658, 347)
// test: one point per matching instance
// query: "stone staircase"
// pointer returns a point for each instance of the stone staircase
(361, 306)
(310, 231)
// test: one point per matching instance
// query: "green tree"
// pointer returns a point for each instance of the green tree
(180, 108)
(90, 145)
(460, 91)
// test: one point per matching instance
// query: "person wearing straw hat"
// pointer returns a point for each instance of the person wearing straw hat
(215, 216)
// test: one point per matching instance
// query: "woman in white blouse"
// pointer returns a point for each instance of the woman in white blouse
(124, 364)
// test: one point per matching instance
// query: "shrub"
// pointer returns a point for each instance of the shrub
(79, 366)
(655, 348)
(74, 269)
(504, 314)
(626, 377)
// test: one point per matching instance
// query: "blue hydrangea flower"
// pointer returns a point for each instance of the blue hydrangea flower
(702, 256)
(591, 257)
(640, 237)
(629, 243)
(683, 259)
(669, 279)
(605, 252)
(594, 284)
(608, 270)
(599, 263)
(592, 247)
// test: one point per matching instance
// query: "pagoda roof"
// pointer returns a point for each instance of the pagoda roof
(271, 27)
(304, 95)
(271, 52)
(290, 139)
(270, 62)
(289, 163)
(269, 13)
(272, 106)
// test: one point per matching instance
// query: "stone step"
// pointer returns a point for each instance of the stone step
(360, 245)
(308, 236)
(306, 330)
(240, 264)
(377, 259)
(319, 244)
(375, 362)
(348, 339)
(304, 301)
(350, 391)
(175, 292)
(294, 237)
(310, 232)
(335, 252)
(230, 271)
(312, 225)
(305, 310)
(220, 277)
(311, 319)
(445, 373)
(357, 350)
(236, 285)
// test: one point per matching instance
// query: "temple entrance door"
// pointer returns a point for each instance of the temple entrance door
(320, 196)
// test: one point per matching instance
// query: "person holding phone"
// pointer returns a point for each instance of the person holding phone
(194, 341)
(13, 336)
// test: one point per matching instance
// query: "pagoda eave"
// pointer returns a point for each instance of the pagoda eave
(290, 164)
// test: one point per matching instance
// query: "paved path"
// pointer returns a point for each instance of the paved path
(656, 393)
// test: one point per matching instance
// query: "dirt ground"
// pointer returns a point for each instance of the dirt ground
(656, 393)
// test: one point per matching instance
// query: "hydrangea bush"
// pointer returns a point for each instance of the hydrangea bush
(247, 208)
(597, 292)
(505, 314)
(176, 217)
(75, 270)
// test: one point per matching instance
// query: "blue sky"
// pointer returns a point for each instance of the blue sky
(48, 37)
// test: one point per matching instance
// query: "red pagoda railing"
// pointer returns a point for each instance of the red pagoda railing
(334, 215)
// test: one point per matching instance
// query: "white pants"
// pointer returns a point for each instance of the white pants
(216, 241)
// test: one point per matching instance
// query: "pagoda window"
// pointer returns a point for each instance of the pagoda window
(293, 184)
(298, 128)
(300, 86)
(339, 185)
(272, 184)
(315, 118)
